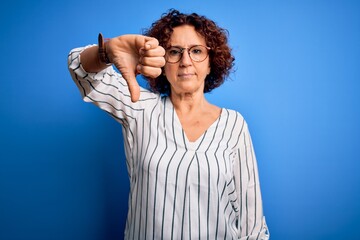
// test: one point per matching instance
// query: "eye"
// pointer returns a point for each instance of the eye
(174, 51)
(197, 50)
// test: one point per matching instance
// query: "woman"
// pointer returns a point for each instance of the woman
(193, 172)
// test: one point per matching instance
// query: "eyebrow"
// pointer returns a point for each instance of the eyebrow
(190, 46)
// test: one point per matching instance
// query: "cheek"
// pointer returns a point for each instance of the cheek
(207, 66)
(171, 72)
(168, 70)
(206, 69)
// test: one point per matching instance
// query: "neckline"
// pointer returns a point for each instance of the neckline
(193, 145)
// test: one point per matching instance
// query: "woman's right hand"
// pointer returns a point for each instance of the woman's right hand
(136, 54)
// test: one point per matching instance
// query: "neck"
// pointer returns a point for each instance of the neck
(188, 102)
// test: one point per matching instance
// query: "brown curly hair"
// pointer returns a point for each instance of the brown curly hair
(221, 59)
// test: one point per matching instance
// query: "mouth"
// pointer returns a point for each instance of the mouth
(185, 75)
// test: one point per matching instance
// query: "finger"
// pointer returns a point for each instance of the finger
(152, 61)
(153, 52)
(132, 83)
(147, 71)
(134, 87)
(145, 42)
(150, 43)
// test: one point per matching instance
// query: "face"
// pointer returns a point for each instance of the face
(187, 76)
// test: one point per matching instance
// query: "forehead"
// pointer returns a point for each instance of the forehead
(186, 36)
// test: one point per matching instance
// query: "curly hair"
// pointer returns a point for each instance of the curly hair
(221, 59)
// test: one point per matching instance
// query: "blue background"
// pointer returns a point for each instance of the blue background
(62, 166)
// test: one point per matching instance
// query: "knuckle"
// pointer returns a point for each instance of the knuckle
(153, 74)
(157, 72)
(162, 51)
(156, 41)
(162, 61)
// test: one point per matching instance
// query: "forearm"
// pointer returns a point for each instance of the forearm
(90, 60)
(124, 52)
(106, 89)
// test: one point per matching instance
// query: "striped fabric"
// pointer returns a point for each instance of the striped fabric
(207, 189)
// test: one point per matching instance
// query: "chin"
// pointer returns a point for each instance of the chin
(187, 90)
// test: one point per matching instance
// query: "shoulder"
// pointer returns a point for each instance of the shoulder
(233, 114)
(235, 120)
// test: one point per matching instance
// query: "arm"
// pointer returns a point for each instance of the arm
(251, 221)
(106, 88)
(90, 60)
(131, 55)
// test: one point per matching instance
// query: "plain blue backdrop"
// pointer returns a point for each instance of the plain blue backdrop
(297, 82)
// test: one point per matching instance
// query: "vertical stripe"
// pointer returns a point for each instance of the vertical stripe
(167, 174)
(148, 180)
(156, 176)
(186, 184)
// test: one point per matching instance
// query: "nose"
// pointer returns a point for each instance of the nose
(185, 59)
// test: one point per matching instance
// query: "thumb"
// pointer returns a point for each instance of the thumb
(133, 86)
(132, 83)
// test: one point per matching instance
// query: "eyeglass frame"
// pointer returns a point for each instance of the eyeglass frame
(182, 50)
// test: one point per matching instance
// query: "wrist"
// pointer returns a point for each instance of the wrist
(103, 57)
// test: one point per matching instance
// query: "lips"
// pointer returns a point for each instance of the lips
(184, 75)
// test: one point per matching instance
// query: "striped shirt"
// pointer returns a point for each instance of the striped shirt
(207, 189)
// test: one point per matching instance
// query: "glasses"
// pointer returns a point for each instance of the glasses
(197, 53)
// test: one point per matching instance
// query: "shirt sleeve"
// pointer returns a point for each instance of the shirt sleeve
(107, 89)
(251, 221)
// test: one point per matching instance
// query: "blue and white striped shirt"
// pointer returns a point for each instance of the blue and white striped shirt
(207, 189)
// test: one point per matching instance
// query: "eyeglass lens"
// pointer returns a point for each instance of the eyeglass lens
(197, 53)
